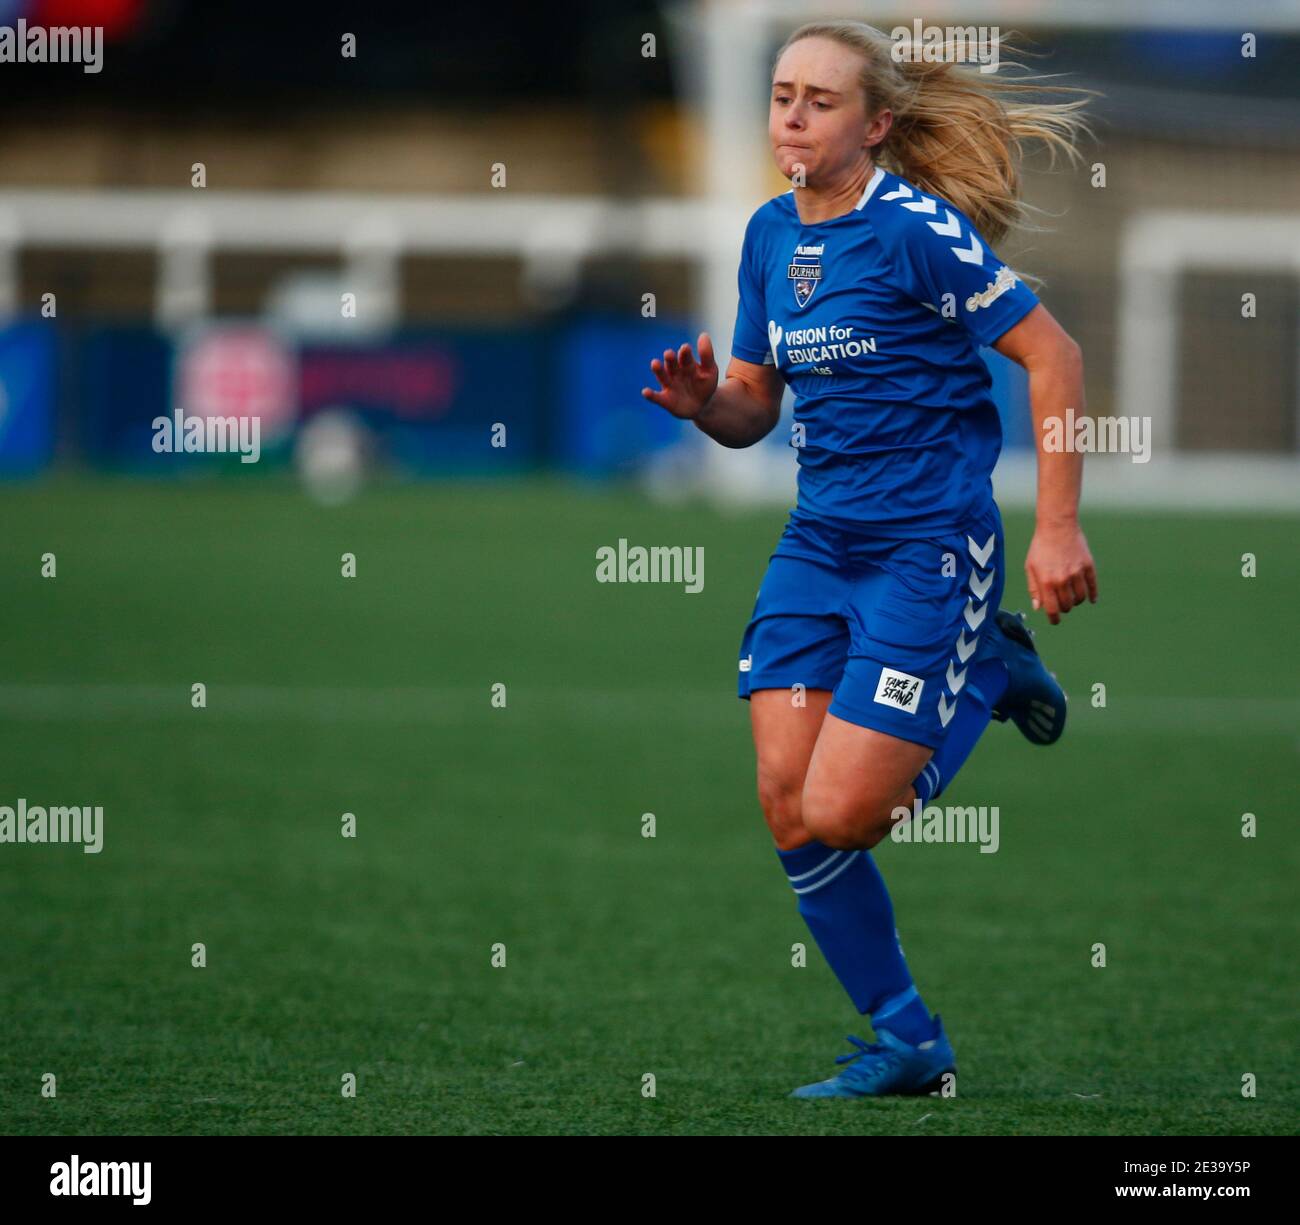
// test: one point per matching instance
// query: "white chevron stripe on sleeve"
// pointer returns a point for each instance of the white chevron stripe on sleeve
(949, 229)
(973, 255)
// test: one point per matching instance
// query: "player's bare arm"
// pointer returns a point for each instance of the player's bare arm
(1059, 568)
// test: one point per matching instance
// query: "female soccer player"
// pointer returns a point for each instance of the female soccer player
(876, 654)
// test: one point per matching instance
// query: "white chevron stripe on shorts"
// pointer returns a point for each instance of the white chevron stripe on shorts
(963, 647)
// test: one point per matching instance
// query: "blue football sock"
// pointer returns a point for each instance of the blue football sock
(905, 1016)
(843, 899)
(986, 682)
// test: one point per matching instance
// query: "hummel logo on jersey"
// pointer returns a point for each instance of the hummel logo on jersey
(747, 663)
(900, 690)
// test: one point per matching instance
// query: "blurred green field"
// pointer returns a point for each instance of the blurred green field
(522, 825)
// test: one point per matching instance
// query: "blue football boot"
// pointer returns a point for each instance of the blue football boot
(889, 1066)
(1034, 700)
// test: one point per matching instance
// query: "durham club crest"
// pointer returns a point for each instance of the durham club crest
(806, 271)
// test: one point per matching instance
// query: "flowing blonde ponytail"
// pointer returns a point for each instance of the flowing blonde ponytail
(959, 133)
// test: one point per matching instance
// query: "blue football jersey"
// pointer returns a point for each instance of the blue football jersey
(874, 319)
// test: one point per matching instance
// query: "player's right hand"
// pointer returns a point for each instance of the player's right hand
(685, 384)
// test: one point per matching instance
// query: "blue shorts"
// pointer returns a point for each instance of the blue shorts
(888, 625)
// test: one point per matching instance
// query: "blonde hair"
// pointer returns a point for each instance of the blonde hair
(958, 133)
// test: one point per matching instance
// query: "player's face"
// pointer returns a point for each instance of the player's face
(817, 118)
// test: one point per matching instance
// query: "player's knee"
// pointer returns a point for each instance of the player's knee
(779, 795)
(835, 826)
(847, 823)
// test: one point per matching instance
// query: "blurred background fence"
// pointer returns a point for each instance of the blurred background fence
(402, 237)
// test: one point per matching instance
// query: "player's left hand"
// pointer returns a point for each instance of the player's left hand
(1060, 570)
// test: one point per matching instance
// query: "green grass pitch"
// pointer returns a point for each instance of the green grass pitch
(625, 955)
